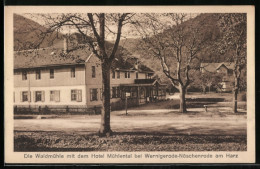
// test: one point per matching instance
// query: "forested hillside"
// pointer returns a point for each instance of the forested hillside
(30, 35)
(27, 35)
(207, 24)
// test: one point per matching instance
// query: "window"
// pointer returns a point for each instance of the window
(127, 74)
(73, 95)
(155, 92)
(113, 74)
(142, 93)
(163, 92)
(230, 72)
(24, 75)
(93, 94)
(118, 74)
(136, 75)
(148, 76)
(55, 95)
(101, 94)
(114, 92)
(118, 92)
(38, 74)
(51, 73)
(25, 96)
(76, 95)
(72, 72)
(159, 92)
(93, 68)
(38, 96)
(133, 92)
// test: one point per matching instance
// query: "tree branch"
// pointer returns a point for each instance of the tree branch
(119, 29)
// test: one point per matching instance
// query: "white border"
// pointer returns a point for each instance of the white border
(17, 157)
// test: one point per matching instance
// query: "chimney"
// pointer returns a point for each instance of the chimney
(65, 43)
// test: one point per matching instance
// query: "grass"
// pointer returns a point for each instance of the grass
(57, 141)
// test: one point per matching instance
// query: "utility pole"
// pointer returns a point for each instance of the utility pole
(126, 105)
(126, 96)
(29, 88)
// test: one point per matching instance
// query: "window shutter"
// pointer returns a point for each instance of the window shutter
(57, 96)
(101, 94)
(90, 95)
(34, 97)
(118, 92)
(43, 96)
(97, 94)
(21, 96)
(29, 96)
(79, 95)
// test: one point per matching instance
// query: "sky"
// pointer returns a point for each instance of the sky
(128, 30)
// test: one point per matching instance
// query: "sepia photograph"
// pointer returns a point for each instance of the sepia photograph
(127, 86)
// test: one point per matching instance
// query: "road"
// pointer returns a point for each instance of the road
(163, 121)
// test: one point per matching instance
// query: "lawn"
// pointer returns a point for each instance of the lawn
(151, 127)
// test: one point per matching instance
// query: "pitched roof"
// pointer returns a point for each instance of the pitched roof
(46, 57)
(49, 57)
(130, 64)
(227, 64)
(212, 67)
(145, 81)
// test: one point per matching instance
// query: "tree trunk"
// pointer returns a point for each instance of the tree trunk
(204, 89)
(235, 92)
(182, 99)
(105, 129)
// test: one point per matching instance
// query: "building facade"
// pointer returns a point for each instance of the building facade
(53, 80)
(225, 69)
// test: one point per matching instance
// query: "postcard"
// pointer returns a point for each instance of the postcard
(129, 84)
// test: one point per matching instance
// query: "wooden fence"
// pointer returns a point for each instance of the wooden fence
(56, 110)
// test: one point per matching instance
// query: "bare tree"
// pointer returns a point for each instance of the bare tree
(176, 46)
(95, 28)
(233, 27)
